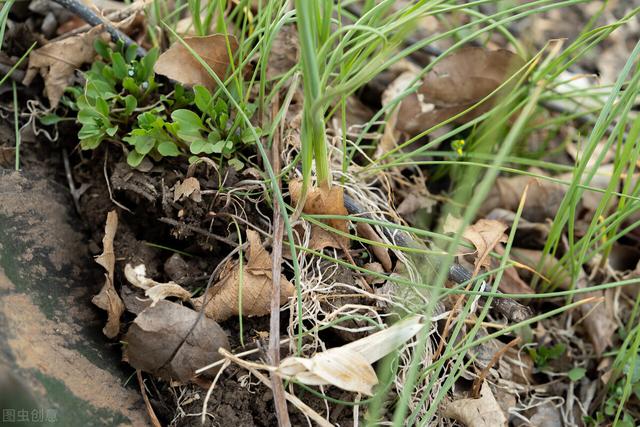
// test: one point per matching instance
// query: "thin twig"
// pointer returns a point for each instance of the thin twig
(90, 17)
(477, 383)
(152, 414)
(279, 398)
(197, 230)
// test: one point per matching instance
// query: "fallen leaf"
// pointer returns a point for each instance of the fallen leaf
(529, 234)
(161, 341)
(155, 290)
(485, 236)
(178, 64)
(57, 61)
(284, 53)
(455, 84)
(222, 298)
(543, 197)
(324, 201)
(511, 283)
(482, 412)
(599, 320)
(530, 258)
(190, 187)
(108, 299)
(349, 366)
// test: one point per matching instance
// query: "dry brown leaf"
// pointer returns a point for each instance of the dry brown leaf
(543, 197)
(284, 53)
(485, 236)
(222, 299)
(57, 61)
(482, 412)
(178, 64)
(550, 270)
(456, 83)
(324, 201)
(190, 187)
(511, 283)
(108, 299)
(159, 342)
(599, 320)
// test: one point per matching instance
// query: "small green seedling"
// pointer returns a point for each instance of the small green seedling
(542, 355)
(121, 101)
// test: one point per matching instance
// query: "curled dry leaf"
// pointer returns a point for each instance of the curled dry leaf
(485, 235)
(157, 291)
(482, 412)
(324, 201)
(160, 341)
(349, 366)
(455, 84)
(222, 299)
(178, 64)
(108, 299)
(57, 61)
(190, 187)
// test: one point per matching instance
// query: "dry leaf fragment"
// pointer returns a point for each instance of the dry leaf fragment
(190, 187)
(57, 61)
(455, 84)
(108, 299)
(599, 317)
(485, 235)
(158, 342)
(543, 197)
(349, 366)
(157, 291)
(178, 64)
(482, 412)
(284, 53)
(324, 201)
(222, 299)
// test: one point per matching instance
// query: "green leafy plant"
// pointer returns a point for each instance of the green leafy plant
(542, 355)
(121, 101)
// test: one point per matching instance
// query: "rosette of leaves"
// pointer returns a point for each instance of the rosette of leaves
(112, 92)
(121, 101)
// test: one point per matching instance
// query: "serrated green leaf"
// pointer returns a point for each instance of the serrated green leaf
(102, 107)
(188, 124)
(145, 68)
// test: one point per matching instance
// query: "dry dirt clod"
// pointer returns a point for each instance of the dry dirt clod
(178, 63)
(161, 341)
